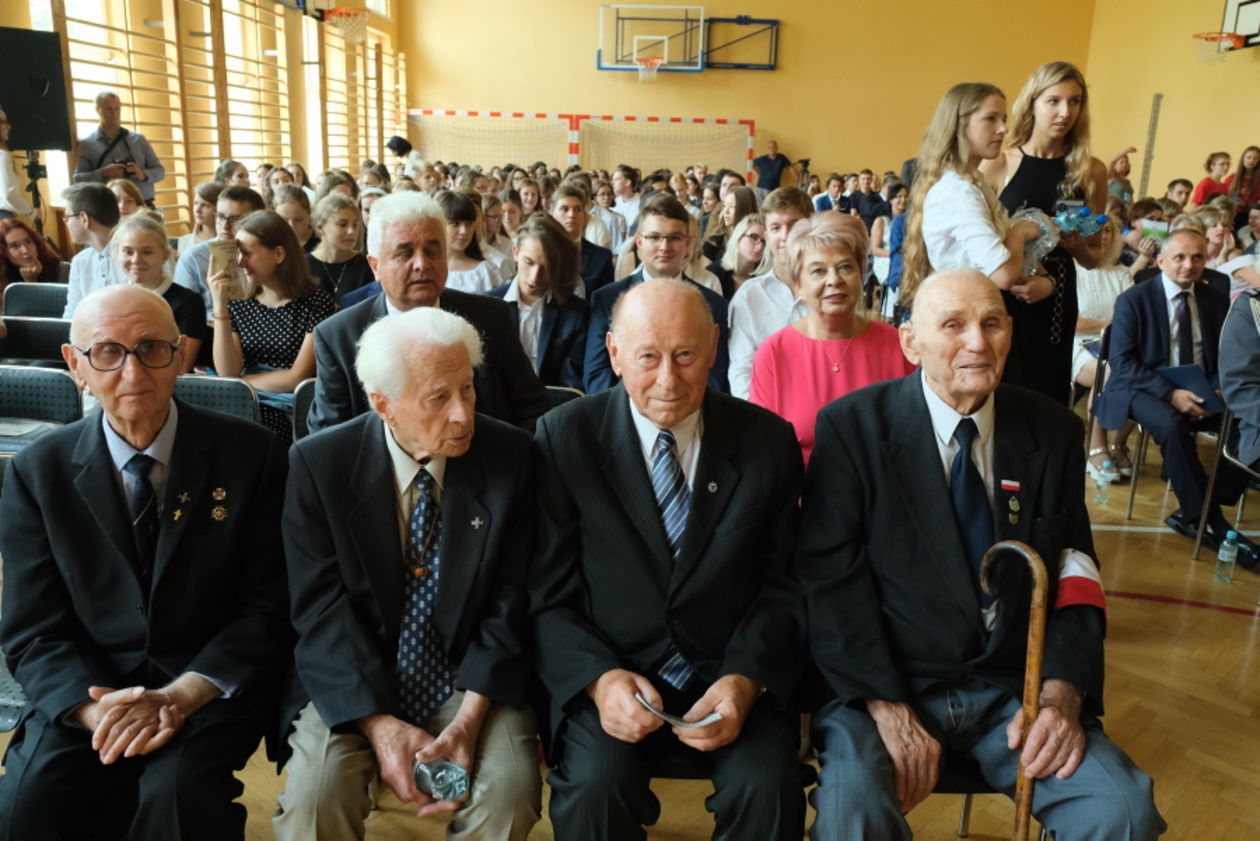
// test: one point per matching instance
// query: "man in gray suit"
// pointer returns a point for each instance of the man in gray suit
(1239, 367)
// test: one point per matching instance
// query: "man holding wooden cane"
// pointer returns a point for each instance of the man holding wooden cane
(910, 483)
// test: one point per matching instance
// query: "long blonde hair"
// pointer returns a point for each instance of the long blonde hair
(1021, 125)
(945, 148)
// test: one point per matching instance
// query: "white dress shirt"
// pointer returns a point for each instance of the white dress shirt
(1171, 291)
(405, 470)
(761, 306)
(629, 209)
(956, 227)
(687, 435)
(945, 420)
(529, 319)
(90, 270)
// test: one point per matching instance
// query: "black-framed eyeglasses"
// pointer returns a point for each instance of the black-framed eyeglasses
(110, 356)
(229, 221)
(757, 239)
(672, 239)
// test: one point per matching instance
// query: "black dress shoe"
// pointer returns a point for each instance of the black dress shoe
(1248, 555)
(1190, 528)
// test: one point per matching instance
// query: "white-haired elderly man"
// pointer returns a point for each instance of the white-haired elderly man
(406, 245)
(115, 152)
(144, 606)
(407, 533)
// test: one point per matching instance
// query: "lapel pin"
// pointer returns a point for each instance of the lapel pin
(1014, 518)
(713, 487)
(1014, 503)
(183, 498)
(218, 513)
(218, 494)
(179, 512)
(1010, 485)
(477, 522)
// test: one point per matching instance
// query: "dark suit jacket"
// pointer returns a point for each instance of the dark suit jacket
(1240, 373)
(507, 387)
(1139, 344)
(346, 566)
(597, 266)
(74, 611)
(605, 592)
(598, 372)
(892, 608)
(561, 337)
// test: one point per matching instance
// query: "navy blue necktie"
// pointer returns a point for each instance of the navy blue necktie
(424, 674)
(673, 499)
(971, 503)
(1185, 330)
(142, 503)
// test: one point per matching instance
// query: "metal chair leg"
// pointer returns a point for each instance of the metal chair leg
(1208, 494)
(964, 817)
(1140, 452)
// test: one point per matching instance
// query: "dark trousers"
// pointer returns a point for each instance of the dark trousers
(1174, 433)
(56, 789)
(600, 791)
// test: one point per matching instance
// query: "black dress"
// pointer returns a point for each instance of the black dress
(1041, 347)
(338, 279)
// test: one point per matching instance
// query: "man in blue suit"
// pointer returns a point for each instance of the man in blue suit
(1173, 320)
(568, 207)
(664, 246)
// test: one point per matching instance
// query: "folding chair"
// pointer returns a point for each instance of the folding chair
(560, 394)
(35, 339)
(222, 394)
(1222, 449)
(960, 774)
(43, 300)
(33, 402)
(303, 396)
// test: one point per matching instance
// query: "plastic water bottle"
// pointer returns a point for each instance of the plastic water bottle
(1102, 485)
(441, 778)
(1227, 557)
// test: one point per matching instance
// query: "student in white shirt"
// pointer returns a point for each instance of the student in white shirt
(91, 215)
(955, 217)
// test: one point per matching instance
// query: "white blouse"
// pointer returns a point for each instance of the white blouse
(956, 227)
(1097, 290)
(475, 281)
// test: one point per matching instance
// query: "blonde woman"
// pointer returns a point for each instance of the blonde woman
(956, 219)
(1046, 163)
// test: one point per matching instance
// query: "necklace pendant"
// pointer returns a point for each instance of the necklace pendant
(836, 367)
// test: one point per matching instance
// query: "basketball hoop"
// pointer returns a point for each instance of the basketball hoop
(351, 22)
(1214, 45)
(647, 66)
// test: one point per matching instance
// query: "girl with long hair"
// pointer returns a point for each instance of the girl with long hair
(1244, 182)
(955, 217)
(26, 258)
(467, 268)
(1047, 165)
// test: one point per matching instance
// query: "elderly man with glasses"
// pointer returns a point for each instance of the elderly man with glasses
(144, 610)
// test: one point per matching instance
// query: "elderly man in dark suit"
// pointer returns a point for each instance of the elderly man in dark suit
(669, 517)
(407, 533)
(663, 244)
(1173, 320)
(406, 246)
(144, 599)
(910, 483)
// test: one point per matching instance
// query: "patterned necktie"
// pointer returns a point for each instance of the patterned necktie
(424, 674)
(1185, 330)
(971, 504)
(142, 503)
(673, 500)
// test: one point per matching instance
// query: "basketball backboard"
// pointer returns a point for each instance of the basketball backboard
(1242, 17)
(674, 34)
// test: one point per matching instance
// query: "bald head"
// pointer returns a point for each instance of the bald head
(121, 301)
(959, 334)
(662, 343)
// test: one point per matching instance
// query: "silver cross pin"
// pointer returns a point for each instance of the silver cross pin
(477, 522)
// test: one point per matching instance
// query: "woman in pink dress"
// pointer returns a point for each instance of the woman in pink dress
(834, 349)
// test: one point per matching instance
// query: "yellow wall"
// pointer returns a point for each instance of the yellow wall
(1140, 47)
(848, 92)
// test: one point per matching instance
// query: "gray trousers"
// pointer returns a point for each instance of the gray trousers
(1108, 798)
(332, 775)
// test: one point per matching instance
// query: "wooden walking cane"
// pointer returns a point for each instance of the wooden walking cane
(1032, 663)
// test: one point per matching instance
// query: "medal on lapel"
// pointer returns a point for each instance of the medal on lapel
(1012, 487)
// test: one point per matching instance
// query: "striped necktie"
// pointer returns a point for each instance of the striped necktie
(673, 499)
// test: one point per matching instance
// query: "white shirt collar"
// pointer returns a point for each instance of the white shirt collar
(945, 418)
(406, 468)
(390, 309)
(121, 452)
(514, 294)
(1171, 289)
(687, 435)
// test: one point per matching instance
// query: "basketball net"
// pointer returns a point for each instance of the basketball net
(648, 66)
(352, 23)
(1214, 45)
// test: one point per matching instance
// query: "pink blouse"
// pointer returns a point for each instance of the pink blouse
(795, 376)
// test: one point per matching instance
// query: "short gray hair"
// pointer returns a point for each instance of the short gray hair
(103, 95)
(86, 311)
(388, 348)
(406, 207)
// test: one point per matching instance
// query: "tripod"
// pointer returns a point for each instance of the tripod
(35, 171)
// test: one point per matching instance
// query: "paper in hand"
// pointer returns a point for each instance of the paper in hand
(675, 720)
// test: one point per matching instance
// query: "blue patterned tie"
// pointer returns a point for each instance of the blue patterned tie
(424, 674)
(971, 504)
(144, 520)
(673, 499)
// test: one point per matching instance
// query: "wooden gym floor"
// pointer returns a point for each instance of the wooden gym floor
(1182, 695)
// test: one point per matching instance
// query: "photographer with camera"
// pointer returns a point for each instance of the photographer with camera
(115, 152)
